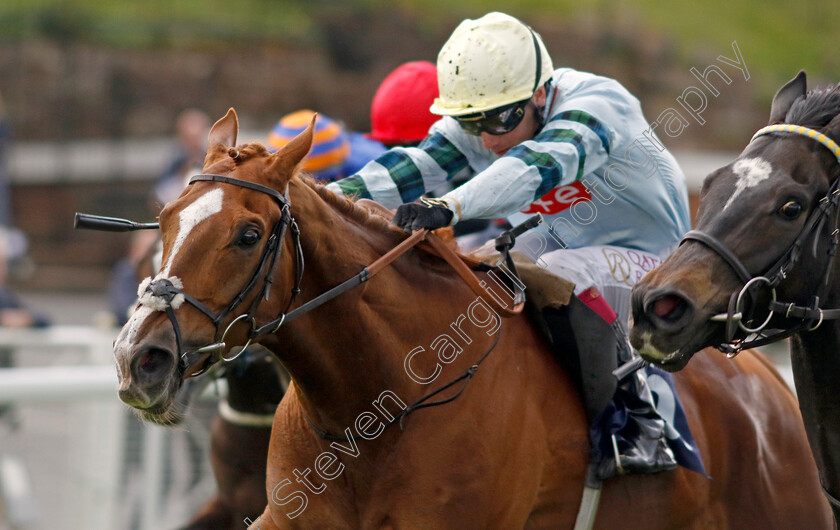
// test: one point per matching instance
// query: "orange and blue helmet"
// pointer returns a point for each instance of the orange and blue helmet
(330, 144)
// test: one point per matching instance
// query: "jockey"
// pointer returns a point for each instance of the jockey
(338, 152)
(573, 146)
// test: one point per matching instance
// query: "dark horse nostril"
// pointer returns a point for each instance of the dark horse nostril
(669, 309)
(153, 363)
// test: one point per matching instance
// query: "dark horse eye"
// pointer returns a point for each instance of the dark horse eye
(790, 210)
(249, 238)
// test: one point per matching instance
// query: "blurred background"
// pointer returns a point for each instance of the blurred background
(92, 89)
(91, 95)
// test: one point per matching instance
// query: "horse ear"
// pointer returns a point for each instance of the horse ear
(784, 98)
(832, 130)
(284, 161)
(224, 131)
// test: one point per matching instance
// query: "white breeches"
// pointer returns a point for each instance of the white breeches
(613, 271)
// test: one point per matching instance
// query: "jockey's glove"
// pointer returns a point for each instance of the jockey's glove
(428, 213)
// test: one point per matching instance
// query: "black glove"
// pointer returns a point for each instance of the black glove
(429, 213)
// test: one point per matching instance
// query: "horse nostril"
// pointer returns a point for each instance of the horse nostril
(663, 306)
(669, 308)
(152, 364)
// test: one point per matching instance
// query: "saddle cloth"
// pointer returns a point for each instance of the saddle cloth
(544, 290)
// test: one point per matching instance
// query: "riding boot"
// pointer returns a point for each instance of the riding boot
(638, 445)
(626, 432)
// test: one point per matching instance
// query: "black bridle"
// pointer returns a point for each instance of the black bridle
(801, 317)
(165, 296)
(163, 289)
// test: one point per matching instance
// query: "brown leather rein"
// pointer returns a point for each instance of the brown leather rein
(464, 266)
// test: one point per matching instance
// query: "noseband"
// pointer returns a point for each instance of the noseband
(807, 317)
(163, 295)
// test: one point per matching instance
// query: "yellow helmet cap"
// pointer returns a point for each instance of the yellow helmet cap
(488, 63)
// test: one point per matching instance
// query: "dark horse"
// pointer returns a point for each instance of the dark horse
(759, 267)
(510, 452)
(239, 439)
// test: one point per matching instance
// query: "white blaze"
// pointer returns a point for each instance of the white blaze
(750, 172)
(208, 204)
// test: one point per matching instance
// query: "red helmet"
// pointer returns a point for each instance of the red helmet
(400, 112)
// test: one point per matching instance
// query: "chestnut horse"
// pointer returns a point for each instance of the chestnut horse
(510, 452)
(760, 264)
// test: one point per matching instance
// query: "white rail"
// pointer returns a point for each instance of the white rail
(93, 450)
(56, 383)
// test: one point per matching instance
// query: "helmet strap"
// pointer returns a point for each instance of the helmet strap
(541, 112)
(538, 53)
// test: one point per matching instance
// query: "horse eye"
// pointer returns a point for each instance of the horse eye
(249, 238)
(790, 210)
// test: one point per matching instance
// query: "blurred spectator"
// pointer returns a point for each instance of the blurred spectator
(5, 141)
(122, 288)
(336, 152)
(191, 130)
(399, 113)
(13, 313)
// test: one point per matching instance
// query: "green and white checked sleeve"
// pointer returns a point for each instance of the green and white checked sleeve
(572, 145)
(402, 175)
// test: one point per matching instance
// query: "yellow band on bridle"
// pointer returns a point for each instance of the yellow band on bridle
(803, 131)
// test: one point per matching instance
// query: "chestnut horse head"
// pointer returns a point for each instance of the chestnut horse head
(243, 222)
(759, 265)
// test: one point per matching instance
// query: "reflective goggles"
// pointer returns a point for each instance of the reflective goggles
(496, 121)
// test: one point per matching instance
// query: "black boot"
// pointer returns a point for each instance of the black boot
(626, 432)
(638, 446)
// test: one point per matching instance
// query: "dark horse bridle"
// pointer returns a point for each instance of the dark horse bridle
(167, 297)
(164, 290)
(808, 317)
(805, 318)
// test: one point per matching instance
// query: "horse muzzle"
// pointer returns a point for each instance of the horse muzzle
(667, 326)
(147, 365)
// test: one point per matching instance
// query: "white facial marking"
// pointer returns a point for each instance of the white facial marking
(750, 172)
(650, 350)
(136, 320)
(208, 204)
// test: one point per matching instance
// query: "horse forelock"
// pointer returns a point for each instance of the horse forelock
(252, 150)
(816, 108)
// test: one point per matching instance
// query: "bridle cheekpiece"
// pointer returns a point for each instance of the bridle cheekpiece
(167, 295)
(808, 317)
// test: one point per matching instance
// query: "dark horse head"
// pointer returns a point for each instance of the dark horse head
(762, 241)
(760, 264)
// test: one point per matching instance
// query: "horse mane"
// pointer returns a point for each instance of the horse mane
(349, 208)
(345, 205)
(816, 109)
(363, 216)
